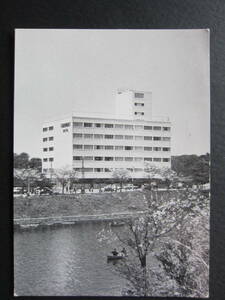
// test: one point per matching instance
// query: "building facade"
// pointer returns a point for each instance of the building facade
(94, 146)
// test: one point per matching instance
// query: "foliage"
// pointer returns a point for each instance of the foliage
(192, 165)
(65, 176)
(22, 161)
(27, 176)
(167, 213)
(122, 175)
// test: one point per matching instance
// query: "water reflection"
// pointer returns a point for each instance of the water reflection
(66, 260)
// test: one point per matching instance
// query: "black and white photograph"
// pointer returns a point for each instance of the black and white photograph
(111, 170)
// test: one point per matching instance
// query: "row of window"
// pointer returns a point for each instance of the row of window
(48, 159)
(107, 147)
(90, 170)
(51, 138)
(120, 137)
(117, 158)
(48, 128)
(107, 125)
(119, 126)
(48, 149)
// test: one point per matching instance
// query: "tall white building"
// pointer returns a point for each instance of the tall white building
(96, 146)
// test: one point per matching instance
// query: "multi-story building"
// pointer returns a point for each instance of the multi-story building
(96, 146)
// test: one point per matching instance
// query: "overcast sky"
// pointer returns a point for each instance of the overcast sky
(60, 71)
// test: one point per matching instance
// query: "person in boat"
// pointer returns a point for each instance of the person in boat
(114, 252)
(124, 252)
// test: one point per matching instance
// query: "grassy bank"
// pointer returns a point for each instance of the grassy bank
(80, 204)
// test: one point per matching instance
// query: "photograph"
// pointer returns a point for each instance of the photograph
(111, 169)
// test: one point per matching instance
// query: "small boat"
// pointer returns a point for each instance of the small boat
(115, 257)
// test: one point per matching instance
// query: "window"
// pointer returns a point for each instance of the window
(166, 149)
(77, 157)
(165, 138)
(157, 138)
(128, 127)
(88, 157)
(45, 149)
(87, 124)
(63, 125)
(157, 148)
(129, 137)
(148, 148)
(147, 127)
(108, 136)
(138, 104)
(118, 137)
(88, 169)
(128, 158)
(166, 159)
(156, 159)
(51, 159)
(98, 147)
(118, 147)
(139, 113)
(77, 135)
(98, 169)
(51, 138)
(118, 158)
(108, 125)
(65, 130)
(138, 158)
(166, 128)
(138, 138)
(107, 170)
(130, 169)
(51, 148)
(78, 147)
(77, 169)
(98, 136)
(138, 127)
(157, 127)
(108, 158)
(77, 124)
(45, 129)
(98, 125)
(147, 138)
(45, 139)
(88, 136)
(108, 147)
(45, 159)
(45, 170)
(88, 147)
(51, 128)
(98, 158)
(138, 148)
(139, 95)
(147, 159)
(120, 126)
(128, 148)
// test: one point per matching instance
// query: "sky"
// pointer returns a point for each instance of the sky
(58, 72)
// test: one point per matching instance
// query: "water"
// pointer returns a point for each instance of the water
(67, 261)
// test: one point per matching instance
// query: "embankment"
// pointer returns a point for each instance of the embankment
(69, 209)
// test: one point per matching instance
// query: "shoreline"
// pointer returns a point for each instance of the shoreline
(23, 223)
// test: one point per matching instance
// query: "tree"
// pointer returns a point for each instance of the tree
(121, 175)
(35, 163)
(165, 214)
(65, 176)
(27, 176)
(21, 161)
(193, 166)
(151, 172)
